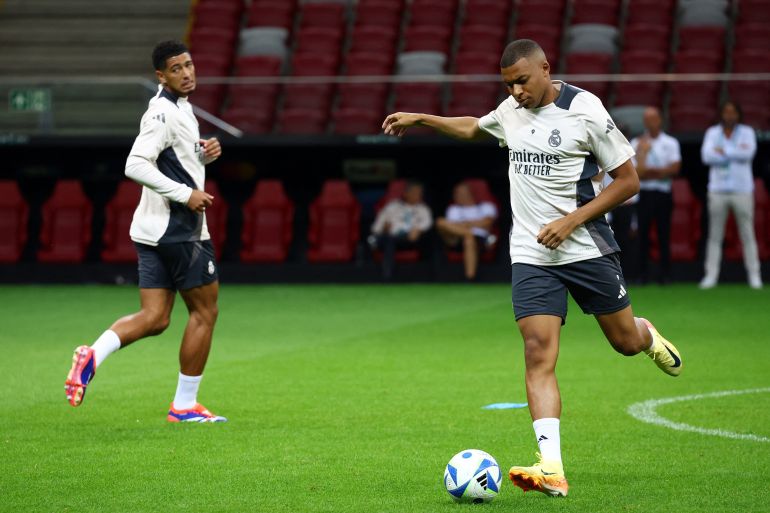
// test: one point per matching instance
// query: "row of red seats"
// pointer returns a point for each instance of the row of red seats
(266, 235)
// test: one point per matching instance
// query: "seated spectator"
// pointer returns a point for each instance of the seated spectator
(401, 224)
(466, 227)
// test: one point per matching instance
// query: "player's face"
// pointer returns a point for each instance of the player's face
(462, 195)
(527, 80)
(730, 115)
(652, 120)
(179, 75)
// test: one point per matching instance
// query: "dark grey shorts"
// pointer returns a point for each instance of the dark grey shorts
(597, 285)
(176, 266)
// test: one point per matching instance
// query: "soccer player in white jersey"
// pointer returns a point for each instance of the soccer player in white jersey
(169, 231)
(560, 143)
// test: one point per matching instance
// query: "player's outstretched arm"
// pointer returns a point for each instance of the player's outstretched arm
(466, 128)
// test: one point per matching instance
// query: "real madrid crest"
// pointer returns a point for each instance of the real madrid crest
(555, 138)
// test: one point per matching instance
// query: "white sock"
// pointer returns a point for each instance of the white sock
(104, 346)
(547, 434)
(186, 392)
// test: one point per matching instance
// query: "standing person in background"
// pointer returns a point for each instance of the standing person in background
(729, 148)
(658, 159)
(171, 238)
(402, 224)
(466, 227)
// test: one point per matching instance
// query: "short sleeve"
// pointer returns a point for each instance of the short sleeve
(453, 213)
(675, 151)
(605, 141)
(492, 123)
(488, 209)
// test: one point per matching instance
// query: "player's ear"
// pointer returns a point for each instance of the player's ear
(160, 76)
(546, 68)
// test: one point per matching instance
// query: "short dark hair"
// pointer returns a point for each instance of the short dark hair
(519, 49)
(413, 183)
(735, 104)
(164, 50)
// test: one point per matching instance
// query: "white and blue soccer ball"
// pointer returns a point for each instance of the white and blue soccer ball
(472, 476)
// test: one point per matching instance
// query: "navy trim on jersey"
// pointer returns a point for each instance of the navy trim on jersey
(165, 93)
(598, 228)
(183, 224)
(566, 95)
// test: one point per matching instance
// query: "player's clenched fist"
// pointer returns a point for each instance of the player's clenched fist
(397, 123)
(199, 200)
(211, 148)
(556, 232)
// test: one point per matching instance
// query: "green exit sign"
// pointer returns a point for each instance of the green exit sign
(36, 100)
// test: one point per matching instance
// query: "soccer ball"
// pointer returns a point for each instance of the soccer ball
(472, 476)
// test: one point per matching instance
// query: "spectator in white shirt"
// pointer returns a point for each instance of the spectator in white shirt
(466, 226)
(658, 159)
(729, 148)
(402, 224)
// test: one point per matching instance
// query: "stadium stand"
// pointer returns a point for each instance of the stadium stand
(685, 225)
(119, 212)
(216, 217)
(66, 230)
(394, 191)
(268, 217)
(14, 216)
(335, 216)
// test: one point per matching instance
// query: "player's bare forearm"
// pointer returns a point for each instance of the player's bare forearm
(466, 128)
(624, 185)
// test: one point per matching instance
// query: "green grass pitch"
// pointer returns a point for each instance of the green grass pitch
(353, 398)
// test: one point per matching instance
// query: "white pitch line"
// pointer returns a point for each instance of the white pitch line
(645, 412)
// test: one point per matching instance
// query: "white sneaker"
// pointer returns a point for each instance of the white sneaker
(755, 282)
(707, 283)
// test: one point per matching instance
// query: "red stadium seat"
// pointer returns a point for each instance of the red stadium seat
(482, 38)
(302, 121)
(14, 216)
(690, 118)
(539, 12)
(222, 15)
(651, 12)
(255, 66)
(315, 40)
(548, 36)
(703, 38)
(703, 94)
(643, 62)
(477, 63)
(271, 13)
(216, 218)
(752, 36)
(268, 217)
(754, 11)
(427, 38)
(357, 121)
(685, 224)
(117, 245)
(66, 229)
(433, 13)
(383, 13)
(212, 41)
(639, 93)
(315, 96)
(209, 97)
(335, 218)
(251, 119)
(322, 15)
(647, 38)
(365, 95)
(751, 61)
(696, 61)
(481, 194)
(756, 115)
(604, 12)
(493, 13)
(581, 62)
(418, 97)
(373, 38)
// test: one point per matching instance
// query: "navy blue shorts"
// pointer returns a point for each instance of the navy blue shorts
(176, 266)
(597, 285)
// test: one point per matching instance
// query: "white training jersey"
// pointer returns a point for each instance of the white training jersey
(664, 151)
(469, 213)
(558, 156)
(730, 159)
(167, 159)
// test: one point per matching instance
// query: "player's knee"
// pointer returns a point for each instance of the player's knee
(157, 323)
(206, 315)
(536, 354)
